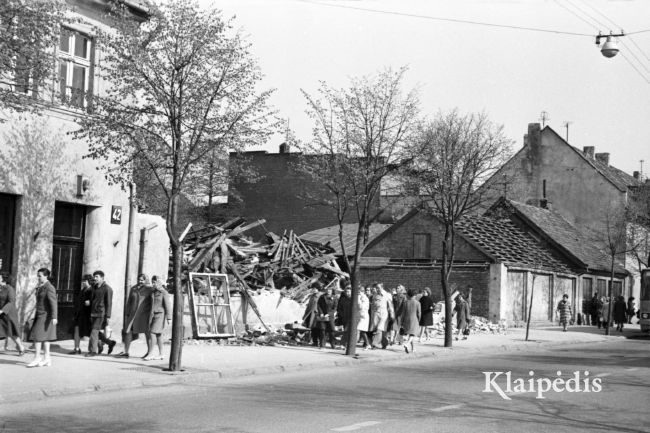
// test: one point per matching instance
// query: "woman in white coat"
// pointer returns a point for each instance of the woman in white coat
(364, 318)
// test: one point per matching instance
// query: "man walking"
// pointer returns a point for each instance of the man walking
(101, 302)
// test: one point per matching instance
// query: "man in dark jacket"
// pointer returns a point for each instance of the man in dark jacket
(101, 302)
(343, 312)
(595, 309)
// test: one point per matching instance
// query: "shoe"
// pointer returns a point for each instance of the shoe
(91, 354)
(21, 352)
(76, 351)
(111, 345)
(100, 349)
(45, 363)
(145, 356)
(122, 355)
(34, 363)
(365, 348)
(406, 349)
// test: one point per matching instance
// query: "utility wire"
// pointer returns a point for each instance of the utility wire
(635, 68)
(557, 2)
(451, 20)
(618, 27)
(600, 23)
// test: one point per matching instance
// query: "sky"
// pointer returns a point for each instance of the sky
(511, 74)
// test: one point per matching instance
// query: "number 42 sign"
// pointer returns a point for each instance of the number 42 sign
(116, 215)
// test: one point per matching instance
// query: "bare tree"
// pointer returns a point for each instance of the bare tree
(181, 86)
(454, 154)
(359, 138)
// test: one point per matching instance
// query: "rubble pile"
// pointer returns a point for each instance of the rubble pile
(284, 262)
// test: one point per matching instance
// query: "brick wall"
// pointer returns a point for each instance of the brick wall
(283, 196)
(419, 278)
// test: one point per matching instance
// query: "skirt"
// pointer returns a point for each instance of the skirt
(157, 323)
(83, 321)
(43, 329)
(8, 328)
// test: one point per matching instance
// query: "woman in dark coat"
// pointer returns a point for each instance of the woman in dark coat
(137, 315)
(326, 316)
(619, 313)
(426, 317)
(44, 327)
(9, 314)
(81, 318)
(344, 312)
(410, 320)
(461, 310)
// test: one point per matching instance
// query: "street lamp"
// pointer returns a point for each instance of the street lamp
(610, 47)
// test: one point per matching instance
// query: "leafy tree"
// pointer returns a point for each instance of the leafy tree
(454, 154)
(359, 138)
(182, 85)
(29, 33)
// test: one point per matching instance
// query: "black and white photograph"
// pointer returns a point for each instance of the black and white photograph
(304, 216)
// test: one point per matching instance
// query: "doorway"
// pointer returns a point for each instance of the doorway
(67, 261)
(7, 217)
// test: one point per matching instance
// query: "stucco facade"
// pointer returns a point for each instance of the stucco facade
(59, 210)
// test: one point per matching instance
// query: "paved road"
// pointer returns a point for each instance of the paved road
(418, 396)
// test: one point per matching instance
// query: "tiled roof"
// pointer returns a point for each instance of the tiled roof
(330, 236)
(509, 244)
(582, 245)
(618, 177)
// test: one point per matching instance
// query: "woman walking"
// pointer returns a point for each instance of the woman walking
(9, 314)
(461, 310)
(137, 315)
(564, 310)
(410, 320)
(619, 313)
(161, 311)
(426, 311)
(44, 327)
(363, 307)
(81, 318)
(631, 308)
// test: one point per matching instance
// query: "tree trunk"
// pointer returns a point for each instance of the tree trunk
(351, 349)
(530, 306)
(611, 288)
(177, 317)
(444, 280)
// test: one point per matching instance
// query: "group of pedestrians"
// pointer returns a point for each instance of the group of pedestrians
(622, 312)
(147, 311)
(384, 318)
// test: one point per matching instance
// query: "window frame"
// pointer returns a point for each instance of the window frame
(70, 59)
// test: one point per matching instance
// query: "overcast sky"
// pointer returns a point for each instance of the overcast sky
(511, 74)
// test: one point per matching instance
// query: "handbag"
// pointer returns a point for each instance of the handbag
(466, 331)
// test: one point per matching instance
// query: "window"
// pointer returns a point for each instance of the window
(602, 288)
(421, 245)
(75, 68)
(587, 288)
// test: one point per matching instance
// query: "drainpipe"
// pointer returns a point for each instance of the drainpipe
(128, 283)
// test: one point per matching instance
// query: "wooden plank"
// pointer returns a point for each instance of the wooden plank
(206, 252)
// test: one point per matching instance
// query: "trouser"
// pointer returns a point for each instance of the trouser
(315, 336)
(96, 336)
(363, 335)
(329, 331)
(379, 338)
(594, 320)
(344, 337)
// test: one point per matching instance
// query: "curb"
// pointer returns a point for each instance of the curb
(190, 377)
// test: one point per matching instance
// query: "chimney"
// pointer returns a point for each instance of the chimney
(534, 138)
(285, 148)
(636, 175)
(603, 158)
(589, 151)
(544, 203)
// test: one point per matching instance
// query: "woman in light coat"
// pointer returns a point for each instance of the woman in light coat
(161, 313)
(410, 320)
(44, 328)
(364, 318)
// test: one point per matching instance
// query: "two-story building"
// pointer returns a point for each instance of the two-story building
(57, 210)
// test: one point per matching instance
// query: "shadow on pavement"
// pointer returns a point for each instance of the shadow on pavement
(50, 423)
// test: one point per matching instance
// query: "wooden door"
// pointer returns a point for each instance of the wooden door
(541, 298)
(67, 261)
(514, 298)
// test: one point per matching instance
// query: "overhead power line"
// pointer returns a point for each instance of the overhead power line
(454, 20)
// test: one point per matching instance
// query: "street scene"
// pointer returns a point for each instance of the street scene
(324, 215)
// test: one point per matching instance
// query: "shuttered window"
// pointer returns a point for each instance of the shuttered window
(421, 246)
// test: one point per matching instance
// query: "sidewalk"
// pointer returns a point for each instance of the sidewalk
(74, 374)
